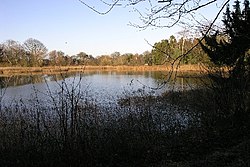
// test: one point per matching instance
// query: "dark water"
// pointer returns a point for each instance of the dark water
(101, 87)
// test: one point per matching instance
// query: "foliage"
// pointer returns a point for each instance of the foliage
(33, 53)
(231, 47)
(203, 127)
(229, 51)
(160, 52)
(166, 51)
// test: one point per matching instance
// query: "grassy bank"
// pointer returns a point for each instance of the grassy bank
(187, 128)
(5, 71)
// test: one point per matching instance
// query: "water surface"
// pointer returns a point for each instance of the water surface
(102, 87)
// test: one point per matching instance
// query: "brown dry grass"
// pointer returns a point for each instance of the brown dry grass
(6, 71)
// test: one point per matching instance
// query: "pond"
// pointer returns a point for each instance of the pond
(101, 86)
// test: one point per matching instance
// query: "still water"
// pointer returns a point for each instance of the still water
(101, 87)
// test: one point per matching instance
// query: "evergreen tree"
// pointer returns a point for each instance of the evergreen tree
(230, 48)
(160, 52)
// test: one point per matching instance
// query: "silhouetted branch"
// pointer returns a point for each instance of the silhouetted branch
(161, 14)
(203, 37)
(166, 14)
(160, 50)
(111, 6)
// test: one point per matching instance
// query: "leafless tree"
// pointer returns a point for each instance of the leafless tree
(36, 51)
(1, 52)
(13, 52)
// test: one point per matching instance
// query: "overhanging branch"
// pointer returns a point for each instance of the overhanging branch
(111, 6)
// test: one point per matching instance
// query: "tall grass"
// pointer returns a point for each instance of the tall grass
(7, 71)
(68, 129)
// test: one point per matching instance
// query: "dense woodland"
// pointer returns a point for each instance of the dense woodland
(34, 53)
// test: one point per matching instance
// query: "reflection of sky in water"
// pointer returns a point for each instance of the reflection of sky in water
(102, 88)
(108, 87)
(99, 87)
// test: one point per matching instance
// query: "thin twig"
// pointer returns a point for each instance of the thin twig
(101, 13)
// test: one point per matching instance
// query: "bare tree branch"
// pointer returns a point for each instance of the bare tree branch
(161, 13)
(166, 14)
(168, 56)
(111, 6)
(201, 6)
(203, 37)
(175, 64)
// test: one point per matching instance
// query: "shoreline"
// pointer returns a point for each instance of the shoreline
(10, 71)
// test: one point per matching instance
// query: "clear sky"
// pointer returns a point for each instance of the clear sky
(71, 27)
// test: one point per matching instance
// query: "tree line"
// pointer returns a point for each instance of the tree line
(207, 126)
(34, 53)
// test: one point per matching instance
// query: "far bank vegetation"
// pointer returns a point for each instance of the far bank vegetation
(33, 53)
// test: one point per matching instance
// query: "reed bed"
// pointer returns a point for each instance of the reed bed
(5, 71)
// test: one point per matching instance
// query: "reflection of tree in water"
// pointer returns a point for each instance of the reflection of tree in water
(159, 77)
(32, 79)
(58, 77)
(183, 79)
(1, 82)
(20, 80)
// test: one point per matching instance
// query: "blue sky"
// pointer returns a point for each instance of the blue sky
(71, 27)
